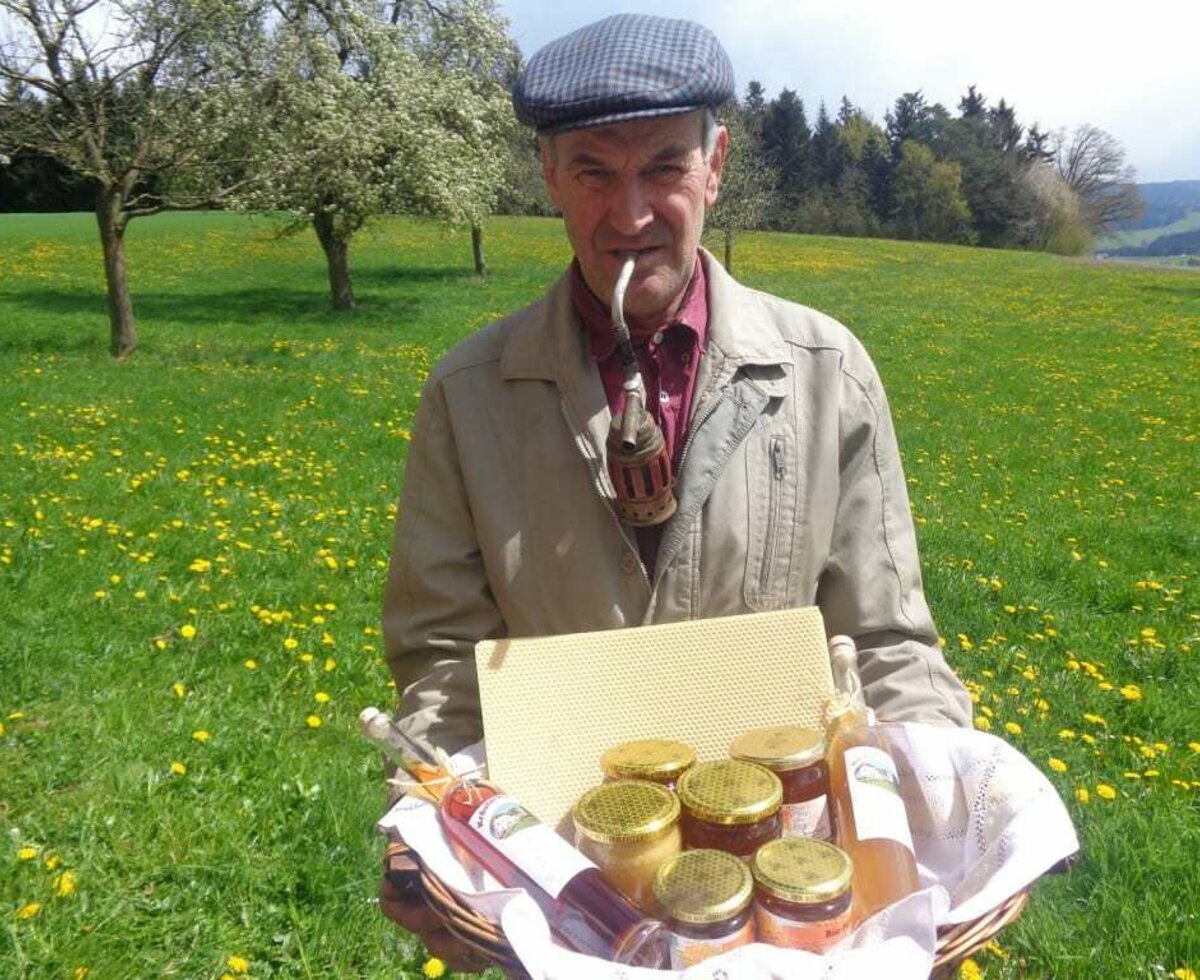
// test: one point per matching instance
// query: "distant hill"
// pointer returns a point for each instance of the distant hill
(1169, 226)
(1166, 203)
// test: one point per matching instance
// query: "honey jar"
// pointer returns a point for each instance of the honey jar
(704, 898)
(658, 760)
(731, 806)
(630, 829)
(802, 893)
(797, 756)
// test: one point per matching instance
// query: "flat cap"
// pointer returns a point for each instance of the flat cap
(628, 66)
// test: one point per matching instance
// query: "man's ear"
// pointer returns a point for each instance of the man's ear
(716, 166)
(549, 170)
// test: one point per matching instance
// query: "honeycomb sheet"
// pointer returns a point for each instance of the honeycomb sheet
(552, 705)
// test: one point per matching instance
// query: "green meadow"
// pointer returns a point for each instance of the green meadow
(193, 544)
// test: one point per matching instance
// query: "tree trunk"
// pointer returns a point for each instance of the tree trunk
(729, 250)
(337, 256)
(477, 248)
(122, 328)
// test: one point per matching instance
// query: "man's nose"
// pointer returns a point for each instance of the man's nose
(630, 210)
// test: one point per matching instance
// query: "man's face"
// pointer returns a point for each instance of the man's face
(637, 187)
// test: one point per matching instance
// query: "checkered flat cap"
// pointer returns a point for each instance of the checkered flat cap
(624, 67)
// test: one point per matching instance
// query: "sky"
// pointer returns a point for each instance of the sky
(1133, 69)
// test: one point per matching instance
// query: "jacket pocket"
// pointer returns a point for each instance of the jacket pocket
(771, 483)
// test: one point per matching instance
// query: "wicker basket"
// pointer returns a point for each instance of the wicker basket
(484, 936)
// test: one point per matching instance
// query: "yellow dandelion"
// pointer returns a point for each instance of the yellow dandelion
(330, 664)
(1105, 792)
(434, 968)
(1194, 746)
(187, 631)
(982, 723)
(1131, 692)
(238, 964)
(52, 862)
(29, 910)
(290, 643)
(251, 664)
(179, 689)
(1057, 765)
(1184, 973)
(81, 972)
(99, 594)
(201, 736)
(64, 884)
(200, 565)
(312, 721)
(178, 768)
(1066, 734)
(1012, 728)
(1082, 795)
(321, 697)
(1, 729)
(114, 580)
(969, 970)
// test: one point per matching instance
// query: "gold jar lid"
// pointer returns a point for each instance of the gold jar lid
(802, 870)
(703, 886)
(730, 791)
(657, 759)
(629, 810)
(782, 748)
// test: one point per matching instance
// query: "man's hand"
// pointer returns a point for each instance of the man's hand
(400, 899)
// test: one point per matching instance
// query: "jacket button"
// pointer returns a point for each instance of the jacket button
(629, 563)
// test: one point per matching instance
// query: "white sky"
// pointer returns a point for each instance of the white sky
(1132, 69)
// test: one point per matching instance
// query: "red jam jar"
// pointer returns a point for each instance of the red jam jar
(797, 756)
(802, 894)
(731, 806)
(704, 898)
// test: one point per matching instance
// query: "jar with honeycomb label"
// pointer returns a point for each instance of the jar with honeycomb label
(797, 756)
(659, 760)
(731, 806)
(704, 898)
(802, 894)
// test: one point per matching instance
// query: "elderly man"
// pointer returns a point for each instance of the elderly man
(785, 468)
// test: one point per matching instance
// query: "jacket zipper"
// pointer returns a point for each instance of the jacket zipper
(703, 417)
(778, 472)
(582, 441)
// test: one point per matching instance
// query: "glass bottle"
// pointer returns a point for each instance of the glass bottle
(868, 811)
(582, 909)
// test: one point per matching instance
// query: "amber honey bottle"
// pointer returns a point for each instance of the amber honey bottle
(872, 825)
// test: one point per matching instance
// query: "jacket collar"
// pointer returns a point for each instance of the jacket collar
(551, 343)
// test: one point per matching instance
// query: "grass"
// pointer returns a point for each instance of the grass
(192, 547)
(1144, 236)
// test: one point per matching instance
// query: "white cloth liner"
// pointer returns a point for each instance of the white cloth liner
(986, 823)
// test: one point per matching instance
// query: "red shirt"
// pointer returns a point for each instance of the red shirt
(669, 360)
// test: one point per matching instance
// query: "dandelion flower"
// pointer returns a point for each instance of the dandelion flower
(1194, 746)
(201, 736)
(1131, 692)
(969, 970)
(434, 968)
(81, 972)
(251, 664)
(1082, 795)
(312, 721)
(187, 631)
(52, 862)
(1105, 792)
(29, 910)
(330, 664)
(321, 697)
(179, 768)
(64, 884)
(1057, 765)
(982, 723)
(238, 964)
(1066, 734)
(290, 643)
(179, 689)
(1183, 973)
(1012, 728)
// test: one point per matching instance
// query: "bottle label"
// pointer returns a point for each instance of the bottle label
(529, 844)
(808, 819)
(816, 937)
(687, 951)
(875, 796)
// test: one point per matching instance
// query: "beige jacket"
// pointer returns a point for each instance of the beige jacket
(790, 493)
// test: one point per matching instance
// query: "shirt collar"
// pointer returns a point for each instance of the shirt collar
(692, 314)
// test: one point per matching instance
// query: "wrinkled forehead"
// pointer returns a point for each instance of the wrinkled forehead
(658, 137)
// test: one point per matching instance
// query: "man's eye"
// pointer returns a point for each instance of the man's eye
(666, 173)
(592, 177)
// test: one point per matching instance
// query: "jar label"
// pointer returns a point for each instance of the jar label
(808, 819)
(875, 796)
(816, 937)
(529, 844)
(687, 951)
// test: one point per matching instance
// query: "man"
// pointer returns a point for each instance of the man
(787, 475)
